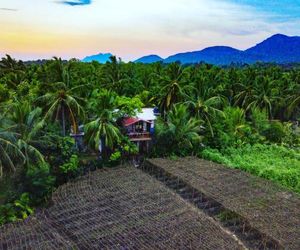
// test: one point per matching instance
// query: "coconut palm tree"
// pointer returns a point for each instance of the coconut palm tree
(114, 77)
(102, 133)
(180, 131)
(62, 103)
(27, 124)
(244, 96)
(261, 94)
(293, 100)
(206, 108)
(172, 86)
(10, 154)
(8, 64)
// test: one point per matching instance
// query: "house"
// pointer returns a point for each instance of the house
(140, 129)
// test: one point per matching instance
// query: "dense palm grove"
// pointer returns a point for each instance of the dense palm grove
(244, 117)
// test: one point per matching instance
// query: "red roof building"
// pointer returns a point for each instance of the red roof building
(140, 129)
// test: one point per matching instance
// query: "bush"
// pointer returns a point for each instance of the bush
(115, 158)
(7, 214)
(232, 130)
(66, 147)
(39, 182)
(22, 206)
(18, 210)
(275, 133)
(214, 155)
(276, 163)
(71, 166)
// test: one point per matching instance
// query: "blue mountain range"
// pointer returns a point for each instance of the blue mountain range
(101, 58)
(276, 49)
(149, 59)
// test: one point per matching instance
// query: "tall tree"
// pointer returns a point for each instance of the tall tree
(62, 102)
(10, 154)
(206, 109)
(172, 86)
(27, 124)
(179, 132)
(102, 133)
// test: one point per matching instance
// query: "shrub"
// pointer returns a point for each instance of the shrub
(22, 206)
(71, 166)
(39, 182)
(115, 158)
(276, 132)
(276, 163)
(7, 214)
(19, 209)
(214, 155)
(66, 147)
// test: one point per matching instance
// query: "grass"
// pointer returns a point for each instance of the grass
(272, 162)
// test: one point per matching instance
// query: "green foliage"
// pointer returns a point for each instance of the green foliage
(202, 105)
(276, 132)
(227, 215)
(259, 120)
(22, 206)
(102, 101)
(39, 182)
(4, 93)
(276, 163)
(102, 131)
(10, 154)
(115, 158)
(231, 129)
(71, 166)
(214, 155)
(61, 102)
(129, 148)
(179, 134)
(66, 146)
(128, 106)
(7, 213)
(18, 210)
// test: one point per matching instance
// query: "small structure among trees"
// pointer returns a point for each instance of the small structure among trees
(140, 128)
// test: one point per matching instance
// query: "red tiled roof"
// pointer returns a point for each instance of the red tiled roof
(129, 121)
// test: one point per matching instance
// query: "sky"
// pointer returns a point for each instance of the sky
(36, 29)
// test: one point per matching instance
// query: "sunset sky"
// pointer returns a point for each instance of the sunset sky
(32, 29)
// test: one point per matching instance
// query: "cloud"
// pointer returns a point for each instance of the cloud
(283, 9)
(8, 9)
(77, 2)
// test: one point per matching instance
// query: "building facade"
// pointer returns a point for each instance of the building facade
(140, 129)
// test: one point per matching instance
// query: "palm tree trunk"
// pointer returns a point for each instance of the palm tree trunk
(63, 121)
(74, 123)
(104, 149)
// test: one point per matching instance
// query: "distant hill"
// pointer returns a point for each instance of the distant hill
(213, 55)
(149, 59)
(278, 49)
(101, 58)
